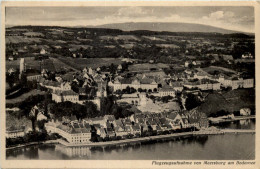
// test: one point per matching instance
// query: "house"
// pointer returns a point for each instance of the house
(120, 131)
(41, 116)
(35, 111)
(117, 123)
(62, 96)
(167, 91)
(110, 132)
(119, 67)
(203, 122)
(98, 120)
(65, 86)
(82, 91)
(247, 56)
(11, 58)
(175, 120)
(43, 51)
(109, 118)
(33, 75)
(245, 112)
(136, 129)
(14, 132)
(202, 75)
(69, 119)
(128, 129)
(187, 63)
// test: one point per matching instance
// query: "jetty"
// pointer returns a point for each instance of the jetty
(220, 120)
(238, 131)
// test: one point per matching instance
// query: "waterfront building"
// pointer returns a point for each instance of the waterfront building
(14, 132)
(175, 120)
(245, 112)
(72, 135)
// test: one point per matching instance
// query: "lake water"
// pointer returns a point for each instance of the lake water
(213, 147)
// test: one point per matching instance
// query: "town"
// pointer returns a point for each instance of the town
(94, 85)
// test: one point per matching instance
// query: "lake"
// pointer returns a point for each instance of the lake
(212, 147)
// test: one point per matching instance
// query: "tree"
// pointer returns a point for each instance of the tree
(75, 87)
(192, 101)
(140, 90)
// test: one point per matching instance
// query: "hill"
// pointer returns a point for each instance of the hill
(230, 101)
(166, 26)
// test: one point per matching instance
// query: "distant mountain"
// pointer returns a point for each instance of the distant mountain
(166, 26)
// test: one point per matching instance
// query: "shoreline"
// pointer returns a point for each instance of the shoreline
(218, 120)
(138, 140)
(32, 144)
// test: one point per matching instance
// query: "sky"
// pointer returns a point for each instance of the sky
(240, 18)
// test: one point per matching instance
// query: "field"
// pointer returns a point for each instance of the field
(127, 46)
(147, 66)
(168, 46)
(21, 39)
(77, 47)
(153, 38)
(24, 96)
(80, 63)
(120, 37)
(33, 34)
(31, 63)
(212, 69)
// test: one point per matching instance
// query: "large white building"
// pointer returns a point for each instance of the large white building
(14, 133)
(144, 83)
(236, 83)
(62, 96)
(79, 135)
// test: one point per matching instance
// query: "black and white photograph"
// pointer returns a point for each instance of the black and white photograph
(129, 82)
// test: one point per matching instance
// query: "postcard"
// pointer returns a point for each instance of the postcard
(129, 84)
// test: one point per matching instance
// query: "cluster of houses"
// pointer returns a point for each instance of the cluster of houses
(78, 131)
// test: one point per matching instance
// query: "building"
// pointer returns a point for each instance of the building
(14, 132)
(10, 71)
(143, 83)
(62, 96)
(167, 91)
(33, 75)
(247, 56)
(43, 51)
(175, 120)
(65, 86)
(130, 99)
(203, 84)
(102, 90)
(245, 112)
(177, 86)
(79, 135)
(187, 63)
